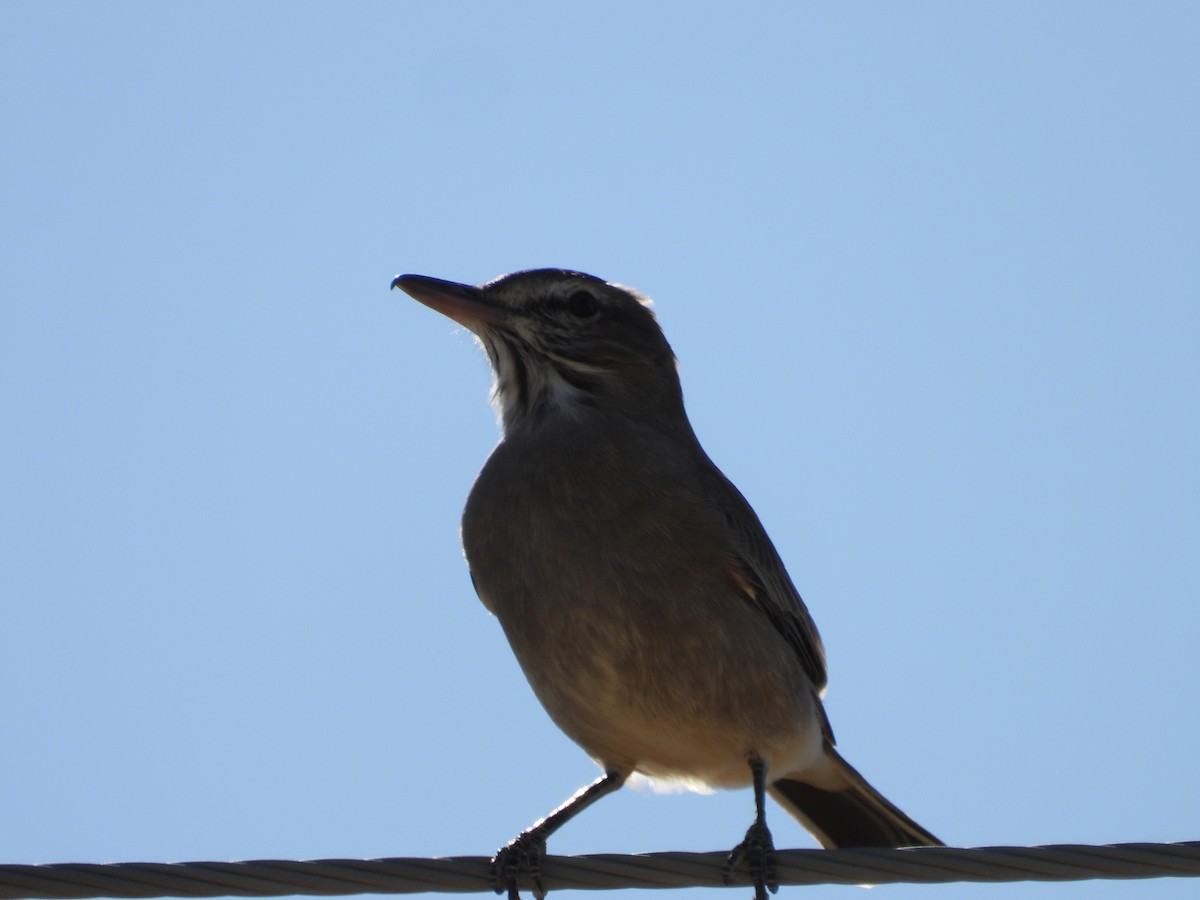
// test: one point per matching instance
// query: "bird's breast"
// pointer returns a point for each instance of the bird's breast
(614, 583)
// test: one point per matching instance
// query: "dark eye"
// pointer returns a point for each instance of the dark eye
(582, 305)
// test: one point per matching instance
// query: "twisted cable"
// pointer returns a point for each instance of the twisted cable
(469, 874)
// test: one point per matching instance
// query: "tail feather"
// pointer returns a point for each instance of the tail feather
(852, 814)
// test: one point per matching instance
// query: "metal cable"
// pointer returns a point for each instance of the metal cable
(467, 874)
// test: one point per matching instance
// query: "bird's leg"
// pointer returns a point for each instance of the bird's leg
(757, 849)
(526, 850)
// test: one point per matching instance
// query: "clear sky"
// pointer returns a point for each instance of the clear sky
(932, 272)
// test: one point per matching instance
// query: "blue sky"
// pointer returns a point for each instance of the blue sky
(931, 273)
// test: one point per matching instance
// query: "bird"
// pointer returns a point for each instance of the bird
(646, 604)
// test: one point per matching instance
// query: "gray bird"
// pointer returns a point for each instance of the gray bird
(640, 593)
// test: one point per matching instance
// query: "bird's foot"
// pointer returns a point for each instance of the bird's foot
(522, 853)
(757, 852)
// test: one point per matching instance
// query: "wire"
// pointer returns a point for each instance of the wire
(468, 874)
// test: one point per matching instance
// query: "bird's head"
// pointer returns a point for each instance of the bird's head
(562, 343)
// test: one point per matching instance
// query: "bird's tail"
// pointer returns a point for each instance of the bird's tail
(846, 811)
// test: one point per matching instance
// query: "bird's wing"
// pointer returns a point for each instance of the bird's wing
(764, 580)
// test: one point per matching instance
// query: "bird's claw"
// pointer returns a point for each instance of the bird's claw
(757, 851)
(524, 852)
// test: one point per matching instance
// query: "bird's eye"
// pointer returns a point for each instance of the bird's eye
(582, 305)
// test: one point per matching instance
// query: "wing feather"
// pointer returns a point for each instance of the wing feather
(764, 579)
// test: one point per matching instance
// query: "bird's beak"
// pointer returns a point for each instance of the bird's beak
(464, 303)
